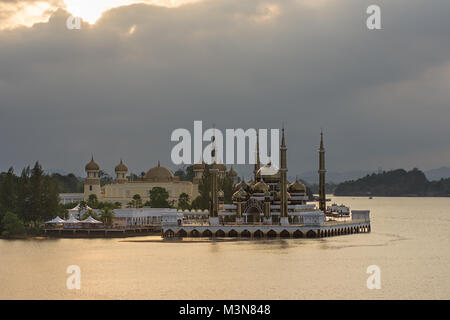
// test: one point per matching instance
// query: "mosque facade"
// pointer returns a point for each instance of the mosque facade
(124, 188)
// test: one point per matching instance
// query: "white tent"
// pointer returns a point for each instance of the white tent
(76, 212)
(72, 220)
(56, 220)
(90, 220)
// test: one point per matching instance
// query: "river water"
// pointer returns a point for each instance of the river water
(409, 242)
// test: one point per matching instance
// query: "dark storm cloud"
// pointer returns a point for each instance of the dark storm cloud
(381, 96)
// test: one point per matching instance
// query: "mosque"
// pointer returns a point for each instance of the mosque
(269, 198)
(268, 206)
(124, 188)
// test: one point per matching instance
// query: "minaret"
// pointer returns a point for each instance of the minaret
(322, 196)
(284, 220)
(258, 162)
(92, 181)
(214, 207)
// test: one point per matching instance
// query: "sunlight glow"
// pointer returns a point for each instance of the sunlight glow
(90, 11)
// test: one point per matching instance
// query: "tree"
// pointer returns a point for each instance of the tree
(50, 199)
(92, 201)
(8, 194)
(106, 216)
(204, 188)
(197, 203)
(105, 178)
(82, 207)
(226, 185)
(137, 201)
(90, 213)
(159, 198)
(183, 201)
(36, 209)
(12, 225)
(185, 173)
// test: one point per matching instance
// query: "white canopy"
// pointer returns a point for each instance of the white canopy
(77, 207)
(56, 220)
(72, 219)
(90, 220)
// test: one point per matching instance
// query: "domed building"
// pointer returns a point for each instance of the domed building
(124, 187)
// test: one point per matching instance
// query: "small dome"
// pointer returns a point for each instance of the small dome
(268, 172)
(92, 165)
(240, 184)
(260, 187)
(232, 172)
(121, 167)
(297, 187)
(278, 196)
(241, 194)
(220, 194)
(159, 173)
(250, 184)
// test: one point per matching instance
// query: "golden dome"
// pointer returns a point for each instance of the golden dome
(159, 173)
(268, 172)
(232, 172)
(121, 167)
(241, 184)
(260, 187)
(92, 165)
(297, 187)
(241, 194)
(278, 196)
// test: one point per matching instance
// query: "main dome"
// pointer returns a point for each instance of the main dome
(160, 174)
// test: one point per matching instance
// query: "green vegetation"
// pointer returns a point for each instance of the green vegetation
(395, 183)
(185, 173)
(12, 225)
(32, 197)
(225, 184)
(68, 184)
(159, 198)
(136, 202)
(183, 201)
(106, 216)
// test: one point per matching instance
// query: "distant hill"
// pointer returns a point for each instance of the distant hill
(312, 177)
(437, 174)
(395, 183)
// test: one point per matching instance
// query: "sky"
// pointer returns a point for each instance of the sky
(137, 70)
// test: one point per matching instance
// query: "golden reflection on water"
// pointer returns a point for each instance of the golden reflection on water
(409, 242)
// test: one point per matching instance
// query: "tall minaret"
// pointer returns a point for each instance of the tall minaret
(214, 207)
(283, 189)
(258, 162)
(322, 196)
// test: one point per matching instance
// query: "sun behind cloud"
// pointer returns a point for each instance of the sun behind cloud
(14, 14)
(90, 11)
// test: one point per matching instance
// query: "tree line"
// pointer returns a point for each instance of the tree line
(395, 183)
(27, 200)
